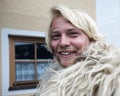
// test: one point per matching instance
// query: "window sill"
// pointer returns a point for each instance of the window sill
(33, 86)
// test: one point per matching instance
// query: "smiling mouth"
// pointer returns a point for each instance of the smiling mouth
(67, 54)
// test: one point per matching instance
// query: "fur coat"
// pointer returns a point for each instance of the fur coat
(96, 73)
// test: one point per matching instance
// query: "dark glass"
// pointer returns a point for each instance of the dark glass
(24, 50)
(42, 52)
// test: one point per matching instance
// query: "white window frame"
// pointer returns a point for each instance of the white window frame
(6, 60)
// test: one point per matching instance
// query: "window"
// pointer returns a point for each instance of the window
(28, 60)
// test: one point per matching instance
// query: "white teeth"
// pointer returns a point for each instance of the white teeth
(65, 53)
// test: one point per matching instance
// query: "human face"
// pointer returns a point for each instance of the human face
(67, 41)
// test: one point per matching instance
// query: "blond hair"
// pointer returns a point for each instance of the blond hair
(79, 19)
(98, 74)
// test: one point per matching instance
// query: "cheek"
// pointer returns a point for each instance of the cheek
(81, 42)
(54, 46)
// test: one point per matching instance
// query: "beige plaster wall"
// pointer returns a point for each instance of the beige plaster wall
(34, 14)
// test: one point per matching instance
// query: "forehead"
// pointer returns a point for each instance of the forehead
(59, 19)
(61, 22)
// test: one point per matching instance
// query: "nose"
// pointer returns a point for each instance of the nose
(64, 41)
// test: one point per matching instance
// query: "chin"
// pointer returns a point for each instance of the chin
(66, 64)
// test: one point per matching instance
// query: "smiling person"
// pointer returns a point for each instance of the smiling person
(69, 33)
(86, 63)
(66, 41)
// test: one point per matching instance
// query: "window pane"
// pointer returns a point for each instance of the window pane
(24, 50)
(41, 66)
(42, 52)
(24, 71)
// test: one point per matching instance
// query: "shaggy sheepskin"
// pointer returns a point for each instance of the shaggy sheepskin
(96, 73)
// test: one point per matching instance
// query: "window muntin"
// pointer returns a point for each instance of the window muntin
(29, 59)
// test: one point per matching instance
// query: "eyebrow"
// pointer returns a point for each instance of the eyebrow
(68, 30)
(74, 29)
(71, 29)
(54, 32)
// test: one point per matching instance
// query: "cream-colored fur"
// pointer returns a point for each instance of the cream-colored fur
(96, 73)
